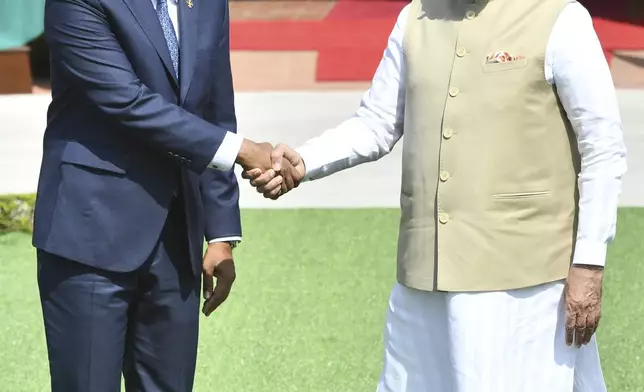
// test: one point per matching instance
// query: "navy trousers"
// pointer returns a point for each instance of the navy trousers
(142, 324)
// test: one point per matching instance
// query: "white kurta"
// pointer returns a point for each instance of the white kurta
(510, 341)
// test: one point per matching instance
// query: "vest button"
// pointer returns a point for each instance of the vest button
(447, 133)
(443, 218)
(470, 15)
(453, 91)
(461, 52)
(444, 176)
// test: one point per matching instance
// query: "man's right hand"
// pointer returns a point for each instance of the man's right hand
(255, 156)
(287, 171)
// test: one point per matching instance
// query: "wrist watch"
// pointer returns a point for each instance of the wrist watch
(233, 244)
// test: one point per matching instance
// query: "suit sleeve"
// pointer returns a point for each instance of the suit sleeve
(88, 55)
(219, 189)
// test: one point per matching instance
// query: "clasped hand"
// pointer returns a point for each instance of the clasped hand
(285, 172)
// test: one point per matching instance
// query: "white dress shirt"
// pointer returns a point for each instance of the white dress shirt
(226, 155)
(574, 63)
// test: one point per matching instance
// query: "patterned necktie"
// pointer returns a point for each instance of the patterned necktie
(169, 33)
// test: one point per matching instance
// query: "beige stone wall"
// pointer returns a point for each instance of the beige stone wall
(294, 71)
(280, 9)
(628, 69)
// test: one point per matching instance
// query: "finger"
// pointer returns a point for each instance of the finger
(597, 320)
(274, 183)
(264, 178)
(251, 174)
(580, 329)
(288, 180)
(588, 335)
(207, 284)
(571, 319)
(591, 327)
(219, 295)
(273, 194)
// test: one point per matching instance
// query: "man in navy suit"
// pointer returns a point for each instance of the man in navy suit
(137, 168)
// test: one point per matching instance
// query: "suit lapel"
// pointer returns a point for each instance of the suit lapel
(143, 11)
(188, 43)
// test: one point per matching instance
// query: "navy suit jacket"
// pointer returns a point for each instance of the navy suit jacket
(123, 134)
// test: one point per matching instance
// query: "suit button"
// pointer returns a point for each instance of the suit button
(461, 52)
(470, 15)
(444, 176)
(447, 133)
(453, 91)
(443, 218)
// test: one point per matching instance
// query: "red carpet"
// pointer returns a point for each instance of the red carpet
(351, 40)
(378, 9)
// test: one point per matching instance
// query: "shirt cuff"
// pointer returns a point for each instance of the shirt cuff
(225, 239)
(226, 155)
(590, 253)
(312, 162)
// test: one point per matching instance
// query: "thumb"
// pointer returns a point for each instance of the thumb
(284, 151)
(276, 156)
(207, 283)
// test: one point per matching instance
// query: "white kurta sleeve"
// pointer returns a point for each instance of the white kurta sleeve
(375, 128)
(576, 65)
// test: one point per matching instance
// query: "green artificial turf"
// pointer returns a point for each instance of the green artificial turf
(308, 307)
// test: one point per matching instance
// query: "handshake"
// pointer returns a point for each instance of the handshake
(273, 171)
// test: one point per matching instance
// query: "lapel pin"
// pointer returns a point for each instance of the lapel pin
(190, 3)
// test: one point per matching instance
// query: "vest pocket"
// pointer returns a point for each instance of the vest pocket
(520, 195)
(508, 66)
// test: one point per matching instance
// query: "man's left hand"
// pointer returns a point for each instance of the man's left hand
(583, 296)
(217, 263)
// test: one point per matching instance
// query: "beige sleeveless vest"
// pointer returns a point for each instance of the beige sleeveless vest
(490, 163)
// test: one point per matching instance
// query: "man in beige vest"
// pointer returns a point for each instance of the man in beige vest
(512, 162)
